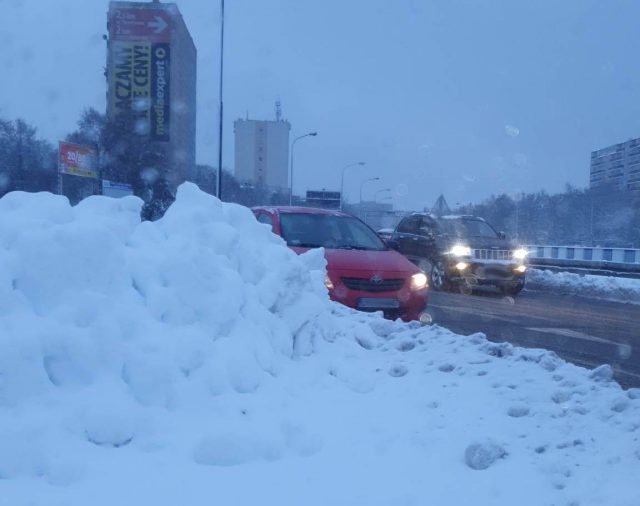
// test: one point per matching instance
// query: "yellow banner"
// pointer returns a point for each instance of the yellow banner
(130, 78)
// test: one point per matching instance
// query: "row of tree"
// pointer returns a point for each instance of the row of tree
(598, 217)
(125, 155)
(27, 162)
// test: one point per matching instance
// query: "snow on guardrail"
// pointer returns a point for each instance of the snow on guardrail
(591, 260)
(613, 288)
(587, 254)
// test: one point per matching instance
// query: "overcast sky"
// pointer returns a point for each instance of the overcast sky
(461, 97)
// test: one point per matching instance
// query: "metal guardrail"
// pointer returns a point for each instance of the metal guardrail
(604, 261)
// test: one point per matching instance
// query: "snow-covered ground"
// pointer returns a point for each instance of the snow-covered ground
(608, 287)
(197, 361)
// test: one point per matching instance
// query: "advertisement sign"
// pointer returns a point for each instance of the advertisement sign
(327, 199)
(139, 23)
(77, 160)
(130, 77)
(139, 68)
(160, 92)
(116, 190)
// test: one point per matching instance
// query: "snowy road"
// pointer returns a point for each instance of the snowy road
(586, 331)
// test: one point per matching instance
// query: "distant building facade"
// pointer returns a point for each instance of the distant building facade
(151, 70)
(617, 167)
(262, 153)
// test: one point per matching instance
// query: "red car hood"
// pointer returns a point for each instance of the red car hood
(358, 260)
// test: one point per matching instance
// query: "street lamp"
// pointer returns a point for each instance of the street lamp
(591, 219)
(293, 144)
(342, 180)
(219, 185)
(375, 196)
(518, 198)
(364, 182)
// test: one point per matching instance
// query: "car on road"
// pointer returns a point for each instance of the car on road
(362, 271)
(461, 252)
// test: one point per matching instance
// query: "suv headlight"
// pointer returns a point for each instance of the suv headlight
(460, 251)
(520, 254)
(418, 281)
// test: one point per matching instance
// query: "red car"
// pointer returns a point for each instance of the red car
(362, 271)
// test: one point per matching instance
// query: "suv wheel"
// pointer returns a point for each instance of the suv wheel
(438, 276)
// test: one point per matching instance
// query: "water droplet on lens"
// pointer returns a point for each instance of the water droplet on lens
(141, 104)
(402, 190)
(4, 182)
(142, 127)
(149, 175)
(624, 351)
(512, 131)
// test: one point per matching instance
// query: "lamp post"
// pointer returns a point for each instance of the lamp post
(219, 185)
(518, 198)
(293, 144)
(591, 219)
(342, 180)
(375, 197)
(364, 182)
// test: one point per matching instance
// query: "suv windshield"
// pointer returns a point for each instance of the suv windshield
(467, 228)
(328, 231)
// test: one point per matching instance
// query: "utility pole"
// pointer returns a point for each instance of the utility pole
(342, 180)
(293, 145)
(219, 185)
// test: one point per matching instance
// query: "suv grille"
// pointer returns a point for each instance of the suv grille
(367, 285)
(493, 254)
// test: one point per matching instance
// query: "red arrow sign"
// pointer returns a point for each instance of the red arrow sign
(139, 23)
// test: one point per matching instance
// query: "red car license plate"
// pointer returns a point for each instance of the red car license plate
(378, 303)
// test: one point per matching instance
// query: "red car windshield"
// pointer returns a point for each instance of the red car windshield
(328, 231)
(464, 228)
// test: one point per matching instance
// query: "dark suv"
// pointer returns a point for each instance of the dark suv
(460, 252)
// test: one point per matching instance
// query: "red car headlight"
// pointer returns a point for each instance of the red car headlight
(419, 281)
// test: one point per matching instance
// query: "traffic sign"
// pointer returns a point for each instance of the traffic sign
(139, 23)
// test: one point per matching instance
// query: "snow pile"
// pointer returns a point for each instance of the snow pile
(196, 361)
(609, 287)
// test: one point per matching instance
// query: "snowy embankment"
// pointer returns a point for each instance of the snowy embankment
(197, 361)
(605, 287)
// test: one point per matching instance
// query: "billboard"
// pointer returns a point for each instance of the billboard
(327, 199)
(139, 68)
(116, 190)
(128, 22)
(77, 160)
(160, 91)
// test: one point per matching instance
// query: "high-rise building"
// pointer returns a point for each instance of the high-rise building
(262, 153)
(617, 166)
(151, 70)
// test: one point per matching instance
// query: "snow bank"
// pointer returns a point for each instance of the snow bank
(197, 361)
(613, 288)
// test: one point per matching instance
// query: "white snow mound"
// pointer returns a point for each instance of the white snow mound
(197, 360)
(587, 285)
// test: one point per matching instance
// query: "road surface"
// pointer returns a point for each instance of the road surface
(585, 331)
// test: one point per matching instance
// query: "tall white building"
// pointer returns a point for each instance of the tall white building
(262, 153)
(617, 166)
